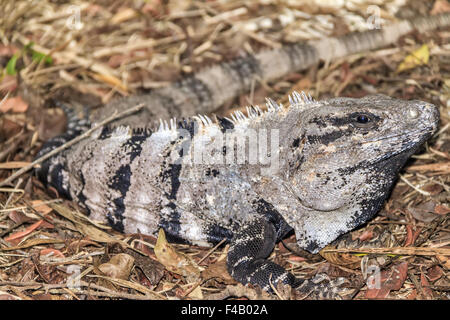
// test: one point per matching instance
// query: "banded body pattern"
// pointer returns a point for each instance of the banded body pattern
(317, 168)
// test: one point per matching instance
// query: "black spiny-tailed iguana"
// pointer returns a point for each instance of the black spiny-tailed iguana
(320, 168)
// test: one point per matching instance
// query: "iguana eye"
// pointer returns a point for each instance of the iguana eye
(362, 120)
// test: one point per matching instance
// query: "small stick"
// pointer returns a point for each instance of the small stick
(86, 134)
(212, 250)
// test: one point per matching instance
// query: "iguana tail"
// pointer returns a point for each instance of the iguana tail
(52, 171)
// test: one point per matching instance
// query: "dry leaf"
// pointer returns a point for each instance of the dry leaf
(56, 253)
(83, 224)
(366, 235)
(9, 128)
(41, 207)
(218, 270)
(123, 15)
(15, 104)
(425, 286)
(8, 83)
(110, 79)
(411, 235)
(341, 259)
(441, 209)
(435, 273)
(440, 6)
(175, 261)
(7, 296)
(443, 261)
(196, 294)
(20, 234)
(19, 217)
(32, 243)
(418, 57)
(118, 267)
(424, 212)
(391, 279)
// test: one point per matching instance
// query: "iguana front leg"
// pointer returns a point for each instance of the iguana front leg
(247, 262)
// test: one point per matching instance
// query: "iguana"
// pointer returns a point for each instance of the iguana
(319, 168)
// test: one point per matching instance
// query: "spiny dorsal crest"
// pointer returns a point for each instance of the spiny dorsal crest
(253, 112)
(300, 99)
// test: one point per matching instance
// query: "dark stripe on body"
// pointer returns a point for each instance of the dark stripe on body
(197, 90)
(172, 225)
(170, 175)
(243, 70)
(224, 124)
(301, 56)
(168, 103)
(122, 181)
(216, 233)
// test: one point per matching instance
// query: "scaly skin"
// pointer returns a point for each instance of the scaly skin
(331, 166)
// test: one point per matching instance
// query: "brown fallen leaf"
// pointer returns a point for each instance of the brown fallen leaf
(441, 209)
(17, 236)
(15, 104)
(123, 15)
(47, 296)
(366, 235)
(444, 261)
(84, 225)
(55, 252)
(440, 6)
(411, 235)
(41, 207)
(175, 261)
(391, 279)
(341, 259)
(424, 212)
(218, 270)
(8, 83)
(118, 267)
(428, 293)
(151, 268)
(32, 243)
(435, 273)
(19, 217)
(9, 128)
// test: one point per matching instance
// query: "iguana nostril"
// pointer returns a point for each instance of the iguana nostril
(413, 113)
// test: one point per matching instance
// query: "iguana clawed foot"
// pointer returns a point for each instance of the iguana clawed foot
(247, 263)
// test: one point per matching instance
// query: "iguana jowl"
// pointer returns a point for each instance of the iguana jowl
(336, 161)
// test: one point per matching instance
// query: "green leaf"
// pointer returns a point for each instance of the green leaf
(36, 55)
(39, 56)
(11, 66)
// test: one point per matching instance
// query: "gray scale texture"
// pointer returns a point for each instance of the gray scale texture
(332, 167)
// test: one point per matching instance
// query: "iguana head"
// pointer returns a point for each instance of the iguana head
(345, 159)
